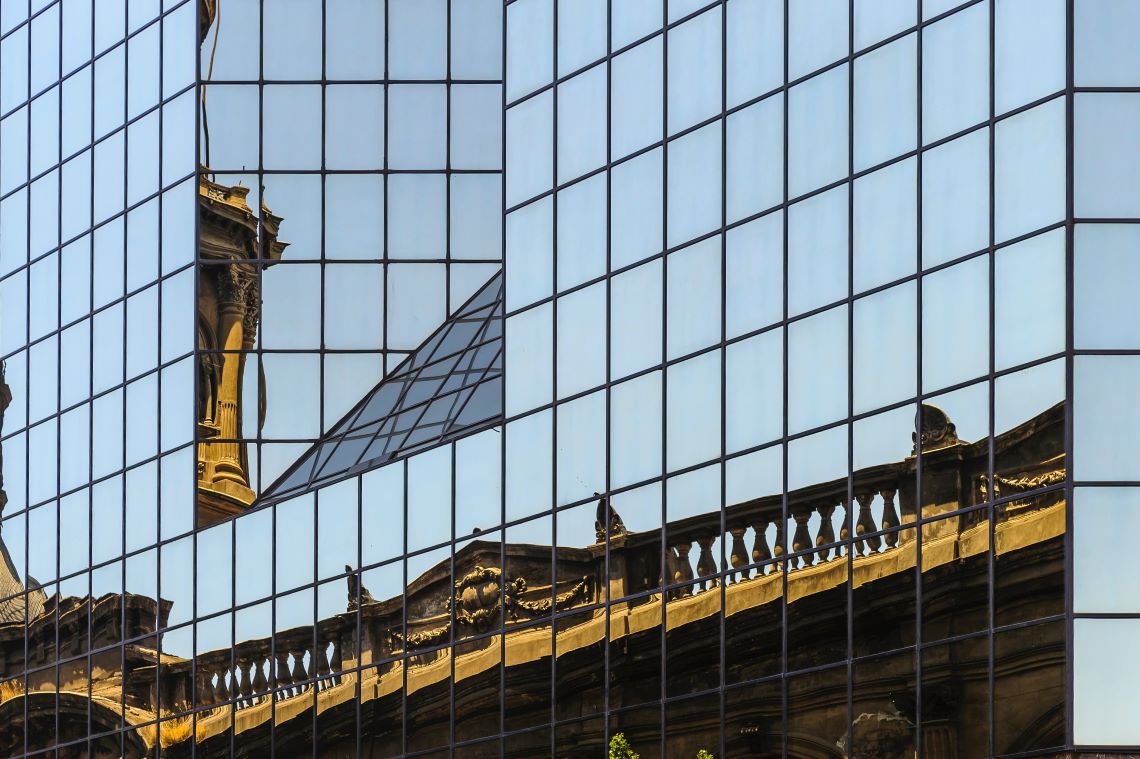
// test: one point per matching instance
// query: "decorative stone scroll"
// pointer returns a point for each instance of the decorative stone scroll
(478, 601)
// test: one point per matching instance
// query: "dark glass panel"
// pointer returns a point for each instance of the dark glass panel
(692, 726)
(1029, 688)
(527, 683)
(579, 667)
(478, 688)
(753, 720)
(382, 718)
(484, 750)
(635, 652)
(428, 698)
(955, 575)
(817, 711)
(883, 595)
(639, 729)
(528, 744)
(817, 590)
(883, 707)
(577, 740)
(955, 699)
(428, 666)
(692, 642)
(338, 723)
(1029, 564)
(753, 637)
(293, 736)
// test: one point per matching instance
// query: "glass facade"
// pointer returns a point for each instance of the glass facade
(460, 378)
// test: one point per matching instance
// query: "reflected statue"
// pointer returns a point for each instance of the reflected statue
(607, 520)
(358, 595)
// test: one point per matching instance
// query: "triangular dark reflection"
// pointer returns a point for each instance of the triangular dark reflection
(450, 384)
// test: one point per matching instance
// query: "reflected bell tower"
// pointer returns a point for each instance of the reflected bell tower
(234, 244)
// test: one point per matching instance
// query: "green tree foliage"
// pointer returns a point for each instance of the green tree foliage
(619, 748)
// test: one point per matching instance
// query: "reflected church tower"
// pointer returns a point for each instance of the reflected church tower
(234, 244)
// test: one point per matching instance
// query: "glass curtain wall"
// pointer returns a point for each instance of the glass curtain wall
(787, 282)
(468, 378)
(1106, 110)
(97, 292)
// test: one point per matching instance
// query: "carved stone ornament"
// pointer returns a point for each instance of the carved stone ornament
(234, 284)
(1021, 484)
(937, 430)
(478, 600)
(607, 516)
(879, 735)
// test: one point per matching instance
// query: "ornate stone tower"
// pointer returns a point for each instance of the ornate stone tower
(234, 244)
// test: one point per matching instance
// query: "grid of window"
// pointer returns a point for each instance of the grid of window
(1106, 109)
(807, 329)
(96, 291)
(372, 130)
(796, 245)
(449, 386)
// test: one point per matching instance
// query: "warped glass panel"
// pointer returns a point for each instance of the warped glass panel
(450, 384)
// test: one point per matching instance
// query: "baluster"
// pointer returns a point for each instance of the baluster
(706, 564)
(322, 664)
(338, 662)
(890, 516)
(778, 550)
(222, 689)
(245, 685)
(801, 539)
(281, 676)
(684, 570)
(760, 552)
(311, 671)
(825, 536)
(260, 682)
(866, 524)
(248, 674)
(205, 689)
(299, 676)
(739, 556)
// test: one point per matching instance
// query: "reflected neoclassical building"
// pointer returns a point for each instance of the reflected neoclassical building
(745, 377)
(429, 666)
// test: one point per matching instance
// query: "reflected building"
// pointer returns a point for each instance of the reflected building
(471, 379)
(234, 245)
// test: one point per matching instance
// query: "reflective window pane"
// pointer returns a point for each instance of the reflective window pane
(1104, 155)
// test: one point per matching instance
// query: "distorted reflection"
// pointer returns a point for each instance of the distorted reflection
(389, 216)
(422, 647)
(386, 566)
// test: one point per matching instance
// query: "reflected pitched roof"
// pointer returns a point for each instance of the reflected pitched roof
(450, 384)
